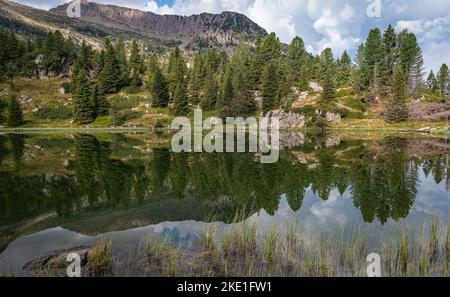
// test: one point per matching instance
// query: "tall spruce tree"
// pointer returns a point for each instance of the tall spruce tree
(329, 87)
(180, 100)
(176, 69)
(344, 70)
(397, 110)
(443, 77)
(411, 60)
(270, 87)
(101, 104)
(136, 66)
(14, 116)
(432, 83)
(110, 76)
(160, 90)
(209, 98)
(84, 107)
(296, 61)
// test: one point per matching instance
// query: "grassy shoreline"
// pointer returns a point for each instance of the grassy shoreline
(245, 250)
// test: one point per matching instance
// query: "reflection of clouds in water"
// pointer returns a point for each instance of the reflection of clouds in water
(432, 199)
(316, 216)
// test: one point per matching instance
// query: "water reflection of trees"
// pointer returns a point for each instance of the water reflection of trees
(382, 182)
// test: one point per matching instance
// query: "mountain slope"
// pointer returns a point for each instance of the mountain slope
(158, 32)
(221, 31)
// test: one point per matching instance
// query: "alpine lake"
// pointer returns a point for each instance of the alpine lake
(130, 206)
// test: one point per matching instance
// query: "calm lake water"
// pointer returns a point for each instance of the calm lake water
(59, 191)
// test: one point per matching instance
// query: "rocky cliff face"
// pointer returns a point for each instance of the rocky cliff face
(223, 30)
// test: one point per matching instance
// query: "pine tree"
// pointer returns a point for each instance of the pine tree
(84, 107)
(209, 99)
(268, 50)
(176, 70)
(123, 70)
(101, 104)
(329, 86)
(136, 65)
(397, 110)
(180, 100)
(242, 102)
(14, 116)
(390, 45)
(226, 92)
(110, 76)
(296, 62)
(432, 83)
(270, 87)
(344, 70)
(411, 60)
(160, 90)
(375, 61)
(443, 77)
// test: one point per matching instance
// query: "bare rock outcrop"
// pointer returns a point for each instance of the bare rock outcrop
(289, 120)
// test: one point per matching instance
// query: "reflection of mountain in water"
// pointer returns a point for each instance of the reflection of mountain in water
(102, 192)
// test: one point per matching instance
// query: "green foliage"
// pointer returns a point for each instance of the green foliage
(84, 106)
(180, 100)
(121, 103)
(15, 116)
(120, 118)
(270, 87)
(442, 78)
(110, 77)
(136, 65)
(397, 110)
(160, 90)
(3, 106)
(54, 113)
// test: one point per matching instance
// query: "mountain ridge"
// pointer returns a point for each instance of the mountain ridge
(222, 31)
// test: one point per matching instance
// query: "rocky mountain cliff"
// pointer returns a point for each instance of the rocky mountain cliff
(222, 31)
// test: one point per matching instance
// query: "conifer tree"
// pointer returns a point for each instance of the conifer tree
(136, 66)
(390, 46)
(121, 60)
(160, 90)
(296, 62)
(101, 104)
(176, 70)
(209, 99)
(269, 49)
(329, 86)
(397, 110)
(411, 60)
(84, 107)
(180, 100)
(443, 77)
(344, 70)
(432, 83)
(14, 116)
(110, 76)
(270, 87)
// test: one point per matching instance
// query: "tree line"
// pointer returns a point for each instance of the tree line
(261, 77)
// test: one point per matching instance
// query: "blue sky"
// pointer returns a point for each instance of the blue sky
(339, 24)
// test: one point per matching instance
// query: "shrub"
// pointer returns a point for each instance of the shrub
(54, 113)
(66, 86)
(120, 118)
(308, 110)
(121, 103)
